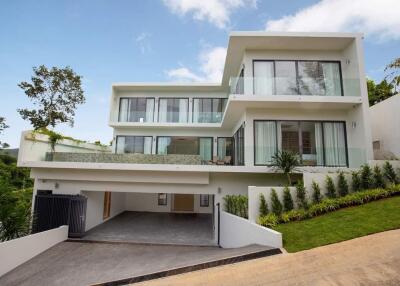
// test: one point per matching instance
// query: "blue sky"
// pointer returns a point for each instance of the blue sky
(160, 40)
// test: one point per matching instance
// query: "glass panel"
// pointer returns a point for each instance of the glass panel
(150, 110)
(225, 150)
(311, 144)
(286, 83)
(148, 142)
(206, 149)
(162, 145)
(310, 78)
(240, 83)
(204, 200)
(289, 139)
(120, 144)
(264, 78)
(265, 145)
(331, 76)
(162, 199)
(173, 110)
(134, 144)
(208, 110)
(239, 146)
(178, 145)
(334, 144)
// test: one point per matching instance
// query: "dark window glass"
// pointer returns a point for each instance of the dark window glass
(134, 144)
(204, 200)
(162, 199)
(208, 110)
(225, 150)
(239, 146)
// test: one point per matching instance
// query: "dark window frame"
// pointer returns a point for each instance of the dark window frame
(116, 142)
(127, 97)
(297, 71)
(233, 147)
(212, 98)
(208, 201)
(299, 122)
(161, 201)
(187, 109)
(239, 146)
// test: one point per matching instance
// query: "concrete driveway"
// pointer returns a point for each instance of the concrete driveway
(370, 260)
(77, 263)
(157, 228)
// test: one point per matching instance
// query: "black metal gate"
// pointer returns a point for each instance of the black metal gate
(52, 211)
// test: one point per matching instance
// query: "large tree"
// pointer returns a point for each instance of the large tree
(55, 93)
(3, 126)
(379, 92)
(393, 70)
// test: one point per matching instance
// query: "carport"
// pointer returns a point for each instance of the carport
(156, 228)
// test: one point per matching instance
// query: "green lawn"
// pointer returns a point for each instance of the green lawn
(341, 225)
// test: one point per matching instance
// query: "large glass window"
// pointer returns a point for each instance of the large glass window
(208, 110)
(297, 77)
(202, 146)
(239, 146)
(317, 143)
(134, 144)
(225, 149)
(173, 110)
(136, 109)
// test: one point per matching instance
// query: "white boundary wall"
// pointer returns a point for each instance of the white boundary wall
(254, 198)
(17, 251)
(238, 232)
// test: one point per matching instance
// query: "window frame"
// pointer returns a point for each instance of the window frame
(116, 143)
(208, 201)
(160, 201)
(130, 97)
(233, 147)
(197, 139)
(212, 98)
(158, 111)
(299, 131)
(297, 72)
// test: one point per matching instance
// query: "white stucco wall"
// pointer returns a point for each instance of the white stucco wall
(17, 251)
(385, 124)
(238, 232)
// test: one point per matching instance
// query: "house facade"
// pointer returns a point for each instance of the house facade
(182, 147)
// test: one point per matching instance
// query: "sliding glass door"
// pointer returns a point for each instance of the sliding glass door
(173, 110)
(334, 143)
(225, 149)
(239, 146)
(134, 144)
(208, 110)
(265, 142)
(136, 109)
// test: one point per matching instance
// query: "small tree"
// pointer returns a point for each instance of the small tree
(356, 181)
(3, 126)
(330, 188)
(263, 209)
(366, 177)
(316, 192)
(287, 200)
(301, 197)
(393, 75)
(286, 162)
(389, 173)
(379, 182)
(275, 203)
(56, 93)
(343, 187)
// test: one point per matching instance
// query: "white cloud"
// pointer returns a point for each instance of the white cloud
(211, 67)
(378, 18)
(217, 12)
(142, 40)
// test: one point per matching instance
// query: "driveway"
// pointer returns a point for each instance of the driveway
(370, 260)
(78, 263)
(157, 228)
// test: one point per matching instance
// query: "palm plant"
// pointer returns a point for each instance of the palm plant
(286, 162)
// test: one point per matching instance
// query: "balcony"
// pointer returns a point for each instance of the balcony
(290, 86)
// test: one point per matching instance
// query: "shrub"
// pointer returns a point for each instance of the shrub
(287, 200)
(366, 177)
(237, 205)
(263, 206)
(269, 220)
(316, 192)
(294, 215)
(330, 188)
(326, 205)
(343, 187)
(379, 182)
(275, 203)
(355, 182)
(287, 162)
(301, 197)
(389, 173)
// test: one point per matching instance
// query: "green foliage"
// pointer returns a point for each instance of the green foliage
(356, 185)
(389, 173)
(393, 70)
(287, 200)
(301, 197)
(269, 220)
(330, 188)
(56, 92)
(379, 92)
(378, 181)
(275, 203)
(286, 162)
(343, 187)
(3, 126)
(293, 215)
(12, 175)
(366, 177)
(237, 205)
(316, 197)
(263, 209)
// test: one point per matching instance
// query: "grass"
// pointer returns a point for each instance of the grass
(341, 225)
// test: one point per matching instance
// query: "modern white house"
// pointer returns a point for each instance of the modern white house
(385, 127)
(181, 147)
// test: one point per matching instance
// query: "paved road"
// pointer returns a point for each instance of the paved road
(77, 263)
(370, 260)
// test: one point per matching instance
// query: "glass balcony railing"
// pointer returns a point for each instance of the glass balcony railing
(207, 117)
(270, 86)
